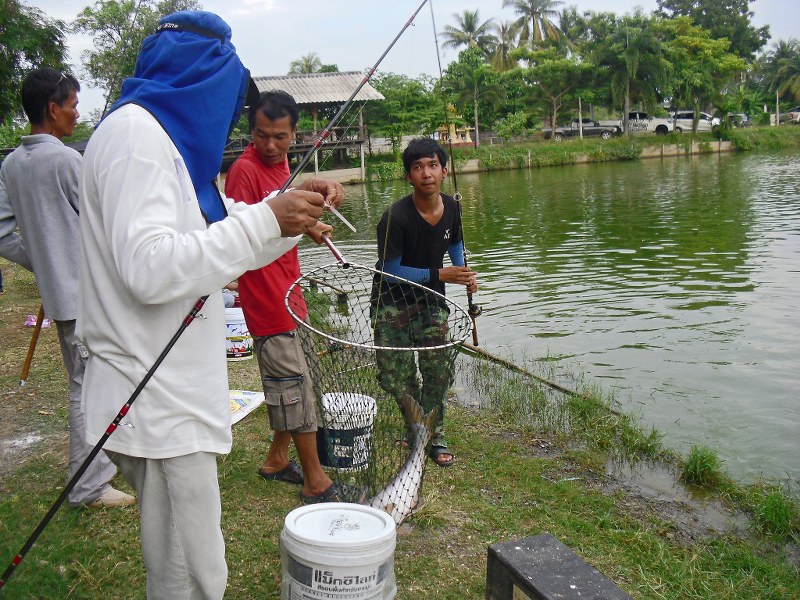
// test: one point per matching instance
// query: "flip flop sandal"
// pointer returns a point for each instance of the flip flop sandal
(436, 454)
(291, 473)
(334, 493)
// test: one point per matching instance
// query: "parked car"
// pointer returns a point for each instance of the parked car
(590, 129)
(683, 121)
(641, 122)
(740, 120)
(794, 115)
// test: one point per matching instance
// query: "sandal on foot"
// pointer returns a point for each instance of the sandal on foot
(291, 473)
(334, 493)
(441, 455)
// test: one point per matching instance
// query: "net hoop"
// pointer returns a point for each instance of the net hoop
(460, 323)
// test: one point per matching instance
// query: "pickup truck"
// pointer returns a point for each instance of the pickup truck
(590, 129)
(641, 122)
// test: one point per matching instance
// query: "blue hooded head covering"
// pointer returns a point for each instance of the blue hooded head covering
(190, 79)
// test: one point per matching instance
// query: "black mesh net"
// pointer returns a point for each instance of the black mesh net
(381, 352)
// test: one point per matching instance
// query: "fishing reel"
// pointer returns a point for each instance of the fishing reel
(474, 310)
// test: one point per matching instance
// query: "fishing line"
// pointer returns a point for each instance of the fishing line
(188, 320)
(473, 309)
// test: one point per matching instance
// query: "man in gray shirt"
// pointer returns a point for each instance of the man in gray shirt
(39, 194)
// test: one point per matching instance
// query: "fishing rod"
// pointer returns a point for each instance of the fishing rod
(473, 309)
(187, 321)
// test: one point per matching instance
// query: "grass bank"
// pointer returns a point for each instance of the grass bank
(529, 460)
(545, 153)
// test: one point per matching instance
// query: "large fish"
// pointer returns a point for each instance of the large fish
(401, 496)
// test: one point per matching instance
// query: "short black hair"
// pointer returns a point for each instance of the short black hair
(423, 148)
(274, 105)
(43, 86)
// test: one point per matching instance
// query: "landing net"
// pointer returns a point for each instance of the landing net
(378, 348)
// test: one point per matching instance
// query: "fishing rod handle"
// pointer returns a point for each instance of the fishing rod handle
(335, 251)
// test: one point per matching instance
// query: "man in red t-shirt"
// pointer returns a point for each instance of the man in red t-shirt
(263, 168)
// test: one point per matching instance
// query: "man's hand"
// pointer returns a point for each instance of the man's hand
(318, 230)
(332, 191)
(460, 275)
(297, 211)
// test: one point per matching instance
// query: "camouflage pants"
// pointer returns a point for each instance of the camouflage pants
(417, 325)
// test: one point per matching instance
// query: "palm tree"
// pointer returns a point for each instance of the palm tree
(310, 63)
(786, 61)
(471, 81)
(469, 33)
(536, 19)
(506, 41)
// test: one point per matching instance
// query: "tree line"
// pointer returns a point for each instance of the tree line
(510, 76)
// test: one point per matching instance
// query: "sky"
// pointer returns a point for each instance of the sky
(353, 34)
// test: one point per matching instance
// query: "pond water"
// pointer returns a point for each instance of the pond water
(672, 283)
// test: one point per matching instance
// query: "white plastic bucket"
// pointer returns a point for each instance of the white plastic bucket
(238, 341)
(346, 440)
(338, 551)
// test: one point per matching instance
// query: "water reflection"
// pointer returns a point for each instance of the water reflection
(672, 281)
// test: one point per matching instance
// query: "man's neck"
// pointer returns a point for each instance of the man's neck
(426, 201)
(38, 129)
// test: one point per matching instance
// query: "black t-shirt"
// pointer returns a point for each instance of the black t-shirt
(403, 233)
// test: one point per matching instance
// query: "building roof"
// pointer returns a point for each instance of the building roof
(320, 88)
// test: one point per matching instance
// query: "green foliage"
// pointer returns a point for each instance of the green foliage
(728, 19)
(411, 107)
(30, 40)
(117, 28)
(10, 135)
(701, 64)
(309, 63)
(474, 86)
(703, 467)
(470, 32)
(511, 125)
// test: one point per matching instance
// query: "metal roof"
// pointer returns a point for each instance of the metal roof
(320, 88)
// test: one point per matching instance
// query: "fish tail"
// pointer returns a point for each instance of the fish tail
(412, 411)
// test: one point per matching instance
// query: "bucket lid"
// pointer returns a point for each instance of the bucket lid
(348, 403)
(346, 410)
(340, 525)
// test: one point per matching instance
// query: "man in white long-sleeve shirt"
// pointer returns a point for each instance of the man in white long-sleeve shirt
(156, 236)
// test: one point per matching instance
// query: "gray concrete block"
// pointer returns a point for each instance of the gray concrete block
(542, 568)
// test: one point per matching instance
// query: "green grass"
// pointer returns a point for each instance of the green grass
(530, 460)
(703, 467)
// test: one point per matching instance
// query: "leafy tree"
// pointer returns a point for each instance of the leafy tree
(469, 32)
(554, 80)
(507, 32)
(512, 125)
(634, 58)
(536, 19)
(701, 63)
(30, 40)
(472, 81)
(309, 63)
(118, 28)
(729, 19)
(411, 107)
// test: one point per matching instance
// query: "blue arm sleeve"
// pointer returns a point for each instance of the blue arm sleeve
(393, 267)
(456, 252)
